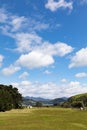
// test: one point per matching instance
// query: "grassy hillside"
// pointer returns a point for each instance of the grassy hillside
(44, 119)
(78, 101)
(79, 96)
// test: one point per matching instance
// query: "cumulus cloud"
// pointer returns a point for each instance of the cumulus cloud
(43, 54)
(79, 59)
(38, 52)
(50, 90)
(81, 75)
(10, 70)
(53, 5)
(31, 41)
(58, 49)
(35, 59)
(1, 59)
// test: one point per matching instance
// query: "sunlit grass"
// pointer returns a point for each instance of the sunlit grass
(43, 119)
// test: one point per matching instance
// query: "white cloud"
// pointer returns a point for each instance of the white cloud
(81, 75)
(58, 49)
(80, 58)
(50, 90)
(30, 44)
(17, 23)
(23, 75)
(63, 80)
(37, 25)
(35, 59)
(12, 24)
(53, 5)
(27, 41)
(3, 16)
(47, 72)
(43, 54)
(10, 70)
(30, 41)
(1, 59)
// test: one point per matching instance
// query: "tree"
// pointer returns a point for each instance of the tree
(9, 98)
(5, 100)
(38, 104)
(77, 104)
(16, 97)
(66, 104)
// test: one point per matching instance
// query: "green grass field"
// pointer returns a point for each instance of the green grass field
(44, 119)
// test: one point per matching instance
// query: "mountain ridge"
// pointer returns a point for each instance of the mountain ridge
(46, 102)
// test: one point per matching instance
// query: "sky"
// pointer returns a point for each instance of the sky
(43, 47)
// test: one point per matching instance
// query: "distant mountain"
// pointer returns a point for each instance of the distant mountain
(37, 98)
(58, 101)
(46, 102)
(65, 98)
(28, 102)
(74, 101)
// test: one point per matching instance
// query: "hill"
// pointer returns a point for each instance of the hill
(58, 101)
(78, 101)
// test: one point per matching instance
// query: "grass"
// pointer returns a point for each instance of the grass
(44, 119)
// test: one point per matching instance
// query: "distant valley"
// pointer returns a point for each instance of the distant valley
(45, 102)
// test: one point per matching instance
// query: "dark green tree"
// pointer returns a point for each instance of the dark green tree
(9, 98)
(38, 104)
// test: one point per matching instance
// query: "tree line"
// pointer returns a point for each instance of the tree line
(10, 98)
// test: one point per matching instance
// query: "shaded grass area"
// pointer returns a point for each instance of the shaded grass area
(44, 119)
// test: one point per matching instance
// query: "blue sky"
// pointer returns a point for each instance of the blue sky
(43, 46)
